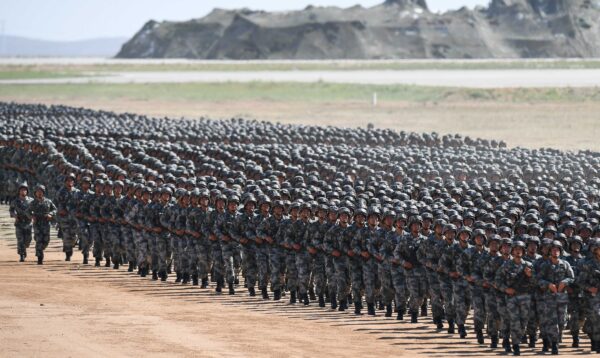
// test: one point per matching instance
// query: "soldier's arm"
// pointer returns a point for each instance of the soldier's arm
(12, 209)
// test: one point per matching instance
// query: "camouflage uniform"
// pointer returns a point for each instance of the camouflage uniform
(65, 200)
(295, 237)
(262, 251)
(199, 245)
(96, 227)
(589, 277)
(225, 226)
(40, 209)
(269, 227)
(82, 212)
(216, 254)
(246, 230)
(445, 280)
(166, 214)
(428, 256)
(362, 244)
(555, 308)
(354, 264)
(333, 243)
(511, 275)
(20, 211)
(406, 252)
(398, 273)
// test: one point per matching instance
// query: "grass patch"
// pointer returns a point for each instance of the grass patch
(293, 92)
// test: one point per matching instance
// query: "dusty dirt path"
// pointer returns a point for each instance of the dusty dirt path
(68, 309)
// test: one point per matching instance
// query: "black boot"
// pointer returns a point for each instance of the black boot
(144, 272)
(321, 301)
(516, 350)
(311, 293)
(575, 342)
(400, 316)
(334, 304)
(545, 345)
(343, 305)
(185, 278)
(451, 326)
(506, 344)
(381, 306)
(439, 323)
(462, 331)
(414, 317)
(358, 308)
(116, 264)
(231, 289)
(424, 309)
(85, 258)
(131, 265)
(107, 263)
(479, 334)
(68, 255)
(554, 348)
(532, 339)
(154, 275)
(276, 295)
(251, 291)
(40, 260)
(371, 309)
(388, 310)
(97, 264)
(349, 299)
(195, 279)
(306, 299)
(204, 283)
(178, 277)
(219, 287)
(494, 343)
(163, 276)
(21, 258)
(293, 296)
(264, 293)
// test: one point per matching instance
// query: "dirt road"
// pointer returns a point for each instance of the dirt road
(68, 309)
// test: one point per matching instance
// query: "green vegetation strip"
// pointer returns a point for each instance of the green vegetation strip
(293, 92)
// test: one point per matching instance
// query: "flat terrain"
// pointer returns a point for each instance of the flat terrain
(68, 309)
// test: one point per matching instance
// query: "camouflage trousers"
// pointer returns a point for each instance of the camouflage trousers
(141, 242)
(478, 300)
(502, 308)
(85, 240)
(24, 236)
(277, 264)
(116, 243)
(491, 308)
(435, 294)
(229, 250)
(318, 272)
(555, 314)
(198, 251)
(303, 261)
(128, 242)
(387, 287)
(533, 322)
(370, 280)
(415, 279)
(96, 238)
(594, 317)
(400, 290)
(537, 308)
(356, 278)
(342, 277)
(178, 245)
(330, 275)
(291, 271)
(262, 262)
(577, 314)
(461, 297)
(41, 234)
(447, 296)
(105, 232)
(162, 248)
(69, 234)
(216, 256)
(249, 264)
(518, 307)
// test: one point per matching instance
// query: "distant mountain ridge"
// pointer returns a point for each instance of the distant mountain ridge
(393, 29)
(17, 46)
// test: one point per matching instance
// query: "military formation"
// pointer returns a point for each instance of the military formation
(350, 219)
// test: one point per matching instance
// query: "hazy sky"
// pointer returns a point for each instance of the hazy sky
(82, 19)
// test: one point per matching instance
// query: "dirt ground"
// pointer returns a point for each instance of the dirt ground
(561, 125)
(69, 309)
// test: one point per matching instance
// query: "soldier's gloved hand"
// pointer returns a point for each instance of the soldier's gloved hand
(552, 288)
(561, 287)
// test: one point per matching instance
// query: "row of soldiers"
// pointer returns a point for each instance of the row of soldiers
(345, 217)
(515, 284)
